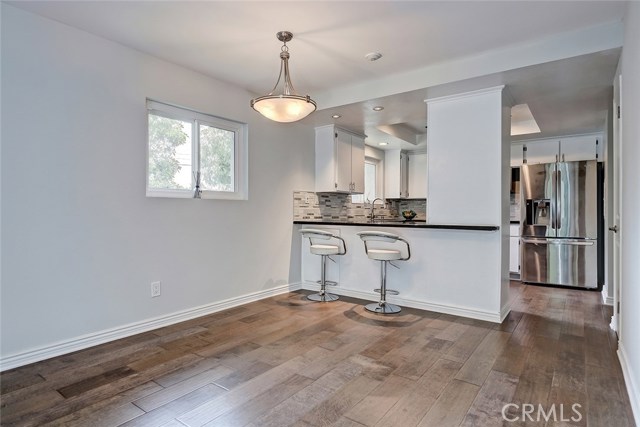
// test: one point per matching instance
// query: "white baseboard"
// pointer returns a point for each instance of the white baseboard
(422, 305)
(633, 388)
(90, 340)
(606, 299)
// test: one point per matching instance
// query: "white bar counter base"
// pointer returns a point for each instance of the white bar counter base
(447, 272)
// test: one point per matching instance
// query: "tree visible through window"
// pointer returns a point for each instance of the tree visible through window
(166, 137)
(186, 148)
(216, 158)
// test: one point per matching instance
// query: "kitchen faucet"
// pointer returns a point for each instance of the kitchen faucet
(373, 206)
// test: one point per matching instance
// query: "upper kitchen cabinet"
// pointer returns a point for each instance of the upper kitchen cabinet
(405, 174)
(396, 174)
(339, 160)
(568, 149)
(516, 154)
(417, 175)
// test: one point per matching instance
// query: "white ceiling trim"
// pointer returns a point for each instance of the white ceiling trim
(565, 45)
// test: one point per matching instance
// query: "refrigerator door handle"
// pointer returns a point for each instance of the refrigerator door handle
(554, 201)
(559, 199)
(573, 242)
(535, 241)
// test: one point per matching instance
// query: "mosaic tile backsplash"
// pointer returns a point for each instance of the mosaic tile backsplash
(308, 205)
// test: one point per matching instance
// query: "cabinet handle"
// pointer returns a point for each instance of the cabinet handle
(563, 157)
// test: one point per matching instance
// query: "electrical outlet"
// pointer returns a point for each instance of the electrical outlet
(307, 199)
(155, 289)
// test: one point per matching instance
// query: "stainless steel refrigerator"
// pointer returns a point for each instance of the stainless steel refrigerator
(559, 224)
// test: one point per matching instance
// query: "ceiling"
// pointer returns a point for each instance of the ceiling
(235, 41)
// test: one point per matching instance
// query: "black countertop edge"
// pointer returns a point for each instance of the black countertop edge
(408, 224)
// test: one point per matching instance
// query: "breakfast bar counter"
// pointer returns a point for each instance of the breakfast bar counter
(453, 269)
(400, 223)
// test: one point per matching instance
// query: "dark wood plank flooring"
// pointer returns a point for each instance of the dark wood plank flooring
(286, 361)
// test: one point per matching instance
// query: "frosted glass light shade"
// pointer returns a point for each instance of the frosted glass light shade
(284, 108)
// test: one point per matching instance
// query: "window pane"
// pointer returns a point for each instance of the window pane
(369, 194)
(217, 154)
(170, 159)
(369, 182)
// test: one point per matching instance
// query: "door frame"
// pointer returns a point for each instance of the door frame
(615, 219)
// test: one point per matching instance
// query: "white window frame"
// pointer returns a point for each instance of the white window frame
(378, 190)
(240, 164)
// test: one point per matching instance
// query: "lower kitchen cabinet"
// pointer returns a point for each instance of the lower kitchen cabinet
(514, 249)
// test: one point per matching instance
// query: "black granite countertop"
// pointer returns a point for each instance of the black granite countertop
(404, 224)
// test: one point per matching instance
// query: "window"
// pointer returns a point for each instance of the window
(371, 191)
(192, 154)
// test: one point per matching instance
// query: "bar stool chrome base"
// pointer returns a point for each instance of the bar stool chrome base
(385, 255)
(332, 245)
(382, 308)
(323, 297)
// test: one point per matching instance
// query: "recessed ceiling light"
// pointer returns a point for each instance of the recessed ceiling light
(373, 56)
(383, 143)
(378, 108)
(336, 116)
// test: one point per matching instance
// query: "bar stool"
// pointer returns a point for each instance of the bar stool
(386, 253)
(325, 250)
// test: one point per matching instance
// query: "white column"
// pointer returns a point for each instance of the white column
(468, 177)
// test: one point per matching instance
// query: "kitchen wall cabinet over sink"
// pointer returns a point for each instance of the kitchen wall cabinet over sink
(339, 160)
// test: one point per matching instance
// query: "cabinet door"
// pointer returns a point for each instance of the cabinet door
(545, 151)
(516, 155)
(325, 159)
(418, 176)
(343, 161)
(577, 148)
(392, 174)
(514, 255)
(357, 164)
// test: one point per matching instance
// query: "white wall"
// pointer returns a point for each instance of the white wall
(630, 224)
(80, 241)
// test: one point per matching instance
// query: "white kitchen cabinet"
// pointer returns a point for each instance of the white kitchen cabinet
(339, 160)
(405, 174)
(514, 249)
(542, 151)
(579, 148)
(417, 184)
(396, 174)
(516, 154)
(566, 149)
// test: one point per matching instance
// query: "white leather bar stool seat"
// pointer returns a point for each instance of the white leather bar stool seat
(320, 244)
(384, 249)
(384, 254)
(325, 250)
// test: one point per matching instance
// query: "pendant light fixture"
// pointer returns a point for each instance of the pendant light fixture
(285, 106)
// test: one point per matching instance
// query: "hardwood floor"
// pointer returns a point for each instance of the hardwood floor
(286, 361)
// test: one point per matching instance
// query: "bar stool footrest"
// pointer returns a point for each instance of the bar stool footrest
(384, 308)
(326, 297)
(389, 291)
(327, 282)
